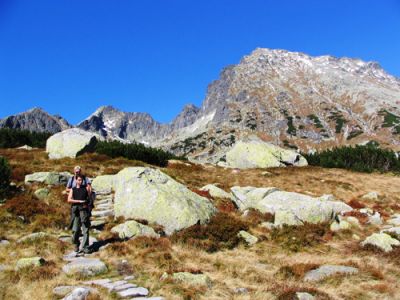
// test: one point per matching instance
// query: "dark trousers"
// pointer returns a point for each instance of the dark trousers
(80, 223)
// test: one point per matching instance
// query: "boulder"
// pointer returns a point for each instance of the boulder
(375, 219)
(103, 183)
(63, 290)
(52, 178)
(131, 229)
(381, 240)
(371, 196)
(394, 221)
(391, 231)
(30, 262)
(247, 237)
(71, 143)
(341, 225)
(288, 207)
(42, 194)
(133, 292)
(327, 271)
(149, 194)
(85, 267)
(80, 293)
(304, 296)
(192, 279)
(26, 147)
(216, 191)
(4, 243)
(259, 154)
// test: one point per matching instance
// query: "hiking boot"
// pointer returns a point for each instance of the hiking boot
(76, 249)
(87, 251)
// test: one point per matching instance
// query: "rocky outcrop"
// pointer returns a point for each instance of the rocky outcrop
(36, 120)
(70, 143)
(288, 207)
(258, 154)
(51, 178)
(131, 229)
(149, 194)
(327, 271)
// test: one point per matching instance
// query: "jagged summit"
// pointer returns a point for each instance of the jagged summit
(35, 119)
(288, 98)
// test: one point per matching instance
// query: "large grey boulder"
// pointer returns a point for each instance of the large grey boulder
(85, 267)
(288, 207)
(149, 194)
(192, 279)
(259, 154)
(71, 143)
(327, 271)
(52, 178)
(103, 183)
(131, 229)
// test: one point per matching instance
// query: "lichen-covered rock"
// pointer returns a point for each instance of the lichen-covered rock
(85, 267)
(259, 154)
(131, 229)
(381, 240)
(42, 193)
(304, 296)
(288, 207)
(30, 262)
(193, 279)
(149, 194)
(371, 196)
(52, 178)
(63, 290)
(216, 191)
(103, 183)
(70, 143)
(80, 293)
(327, 271)
(247, 237)
(341, 225)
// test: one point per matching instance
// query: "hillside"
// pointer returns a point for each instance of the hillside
(272, 268)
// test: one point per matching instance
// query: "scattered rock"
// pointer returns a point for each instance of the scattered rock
(268, 225)
(131, 229)
(134, 292)
(394, 221)
(30, 262)
(241, 290)
(371, 196)
(85, 267)
(42, 193)
(375, 219)
(216, 191)
(79, 293)
(193, 279)
(71, 143)
(149, 194)
(63, 290)
(356, 237)
(259, 154)
(327, 271)
(395, 230)
(341, 225)
(288, 207)
(267, 174)
(26, 147)
(247, 237)
(381, 240)
(52, 178)
(4, 243)
(33, 237)
(304, 296)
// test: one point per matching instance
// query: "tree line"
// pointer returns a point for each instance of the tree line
(11, 138)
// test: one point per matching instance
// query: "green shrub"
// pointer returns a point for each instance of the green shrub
(365, 158)
(11, 138)
(5, 174)
(135, 151)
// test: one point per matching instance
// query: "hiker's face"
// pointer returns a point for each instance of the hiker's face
(79, 181)
(77, 171)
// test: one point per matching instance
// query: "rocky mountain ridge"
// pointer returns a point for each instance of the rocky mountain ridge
(288, 98)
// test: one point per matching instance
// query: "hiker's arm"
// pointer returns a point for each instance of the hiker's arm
(69, 186)
(71, 200)
(89, 188)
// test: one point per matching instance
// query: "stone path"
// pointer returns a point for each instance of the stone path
(103, 208)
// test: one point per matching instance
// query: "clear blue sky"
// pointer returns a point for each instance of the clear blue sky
(71, 56)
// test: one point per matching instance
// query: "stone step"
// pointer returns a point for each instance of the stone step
(102, 202)
(98, 222)
(102, 206)
(103, 213)
(134, 292)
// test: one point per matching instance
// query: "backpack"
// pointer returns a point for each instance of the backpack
(84, 183)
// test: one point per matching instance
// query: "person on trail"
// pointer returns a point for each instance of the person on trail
(72, 181)
(80, 214)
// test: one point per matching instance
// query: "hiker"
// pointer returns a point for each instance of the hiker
(72, 181)
(80, 214)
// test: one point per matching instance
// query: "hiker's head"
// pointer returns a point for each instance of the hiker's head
(79, 179)
(77, 170)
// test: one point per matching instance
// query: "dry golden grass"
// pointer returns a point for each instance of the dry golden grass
(271, 269)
